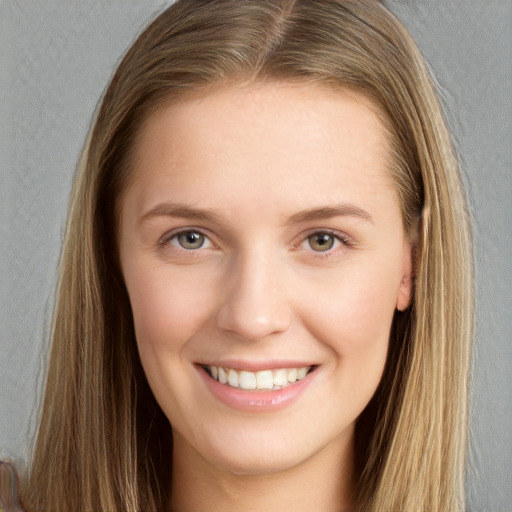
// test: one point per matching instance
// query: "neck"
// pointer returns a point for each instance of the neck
(323, 483)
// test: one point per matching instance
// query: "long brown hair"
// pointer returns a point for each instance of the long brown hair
(103, 443)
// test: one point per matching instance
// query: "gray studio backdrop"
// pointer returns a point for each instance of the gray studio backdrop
(55, 59)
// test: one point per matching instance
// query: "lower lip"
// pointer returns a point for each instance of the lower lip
(256, 401)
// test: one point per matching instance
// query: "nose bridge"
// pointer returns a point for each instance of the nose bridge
(255, 304)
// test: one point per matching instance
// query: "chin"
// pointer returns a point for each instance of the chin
(246, 462)
(268, 447)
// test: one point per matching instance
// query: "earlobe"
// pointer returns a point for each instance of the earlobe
(405, 290)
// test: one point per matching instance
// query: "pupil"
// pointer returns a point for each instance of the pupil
(321, 241)
(191, 240)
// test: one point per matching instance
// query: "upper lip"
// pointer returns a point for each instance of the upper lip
(254, 366)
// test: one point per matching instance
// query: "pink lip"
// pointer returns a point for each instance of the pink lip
(256, 401)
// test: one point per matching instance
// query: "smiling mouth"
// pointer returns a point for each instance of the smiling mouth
(263, 380)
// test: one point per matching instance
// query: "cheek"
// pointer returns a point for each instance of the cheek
(167, 308)
(353, 319)
(356, 306)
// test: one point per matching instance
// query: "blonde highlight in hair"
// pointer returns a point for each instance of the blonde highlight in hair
(103, 442)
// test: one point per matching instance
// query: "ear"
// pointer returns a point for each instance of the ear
(405, 290)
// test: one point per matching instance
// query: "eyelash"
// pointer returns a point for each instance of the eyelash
(343, 240)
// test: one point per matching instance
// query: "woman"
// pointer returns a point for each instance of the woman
(267, 249)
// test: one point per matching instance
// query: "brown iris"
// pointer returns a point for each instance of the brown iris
(321, 241)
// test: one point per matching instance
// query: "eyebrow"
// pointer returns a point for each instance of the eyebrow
(183, 211)
(207, 215)
(327, 212)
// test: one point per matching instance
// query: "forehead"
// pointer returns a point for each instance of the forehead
(293, 138)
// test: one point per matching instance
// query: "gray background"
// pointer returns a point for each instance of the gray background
(55, 59)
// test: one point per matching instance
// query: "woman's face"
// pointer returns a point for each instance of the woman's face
(262, 245)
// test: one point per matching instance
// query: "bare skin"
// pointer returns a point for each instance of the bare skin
(322, 483)
(261, 236)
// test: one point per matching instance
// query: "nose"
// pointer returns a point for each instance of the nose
(255, 304)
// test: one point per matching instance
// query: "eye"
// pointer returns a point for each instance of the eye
(322, 241)
(190, 240)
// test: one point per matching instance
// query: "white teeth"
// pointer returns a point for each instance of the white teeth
(301, 373)
(233, 378)
(222, 376)
(292, 375)
(280, 378)
(264, 379)
(247, 380)
(261, 380)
